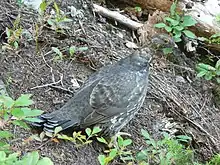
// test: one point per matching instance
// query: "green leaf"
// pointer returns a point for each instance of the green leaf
(58, 52)
(188, 21)
(72, 50)
(173, 8)
(8, 102)
(203, 66)
(33, 120)
(113, 153)
(2, 156)
(88, 131)
(24, 100)
(20, 123)
(179, 28)
(218, 80)
(217, 65)
(160, 25)
(202, 73)
(138, 9)
(45, 161)
(50, 22)
(189, 34)
(217, 72)
(208, 76)
(102, 140)
(120, 141)
(172, 21)
(17, 112)
(57, 130)
(12, 158)
(96, 130)
(145, 134)
(31, 113)
(177, 33)
(142, 155)
(43, 7)
(5, 134)
(215, 35)
(127, 142)
(168, 29)
(127, 158)
(83, 48)
(31, 158)
(184, 138)
(177, 39)
(167, 50)
(101, 159)
(56, 8)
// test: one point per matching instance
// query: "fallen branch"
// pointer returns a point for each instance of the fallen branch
(117, 16)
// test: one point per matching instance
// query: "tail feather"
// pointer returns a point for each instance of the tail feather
(50, 121)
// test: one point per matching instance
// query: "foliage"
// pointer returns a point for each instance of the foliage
(209, 72)
(117, 148)
(213, 39)
(215, 160)
(58, 19)
(78, 138)
(30, 159)
(177, 25)
(165, 151)
(72, 50)
(14, 34)
(16, 112)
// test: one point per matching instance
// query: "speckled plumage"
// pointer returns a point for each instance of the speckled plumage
(109, 98)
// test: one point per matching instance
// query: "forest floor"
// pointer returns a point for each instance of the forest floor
(177, 102)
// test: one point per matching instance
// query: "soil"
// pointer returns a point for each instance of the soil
(177, 102)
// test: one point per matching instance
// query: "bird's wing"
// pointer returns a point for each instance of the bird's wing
(111, 96)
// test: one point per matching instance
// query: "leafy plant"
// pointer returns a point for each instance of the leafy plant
(58, 54)
(117, 148)
(166, 151)
(32, 158)
(78, 138)
(213, 39)
(177, 25)
(74, 49)
(14, 34)
(58, 20)
(215, 160)
(17, 112)
(209, 72)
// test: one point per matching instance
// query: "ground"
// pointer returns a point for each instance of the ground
(177, 102)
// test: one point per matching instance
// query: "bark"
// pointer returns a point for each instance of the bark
(204, 13)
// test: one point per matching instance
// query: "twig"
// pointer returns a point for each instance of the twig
(46, 85)
(61, 88)
(117, 16)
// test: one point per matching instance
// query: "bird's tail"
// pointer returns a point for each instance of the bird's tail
(55, 119)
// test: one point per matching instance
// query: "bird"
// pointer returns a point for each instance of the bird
(109, 98)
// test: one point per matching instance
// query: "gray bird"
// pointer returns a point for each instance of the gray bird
(109, 98)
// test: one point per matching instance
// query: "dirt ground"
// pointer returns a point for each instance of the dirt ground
(177, 102)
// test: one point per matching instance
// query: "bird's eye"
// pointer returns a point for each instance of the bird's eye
(166, 41)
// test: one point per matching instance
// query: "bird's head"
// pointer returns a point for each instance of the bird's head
(139, 60)
(162, 41)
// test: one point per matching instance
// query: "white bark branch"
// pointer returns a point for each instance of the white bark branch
(117, 16)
